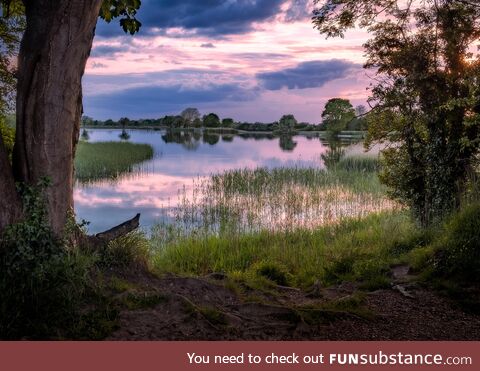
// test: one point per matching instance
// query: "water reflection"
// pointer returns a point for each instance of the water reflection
(124, 135)
(182, 158)
(334, 153)
(287, 143)
(85, 136)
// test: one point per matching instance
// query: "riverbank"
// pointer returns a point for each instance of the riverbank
(229, 130)
(377, 278)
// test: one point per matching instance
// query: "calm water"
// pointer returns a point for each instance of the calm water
(179, 160)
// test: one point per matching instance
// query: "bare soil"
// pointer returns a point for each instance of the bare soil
(208, 308)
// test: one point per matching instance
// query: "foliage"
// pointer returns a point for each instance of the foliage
(287, 124)
(124, 122)
(41, 282)
(336, 116)
(227, 123)
(427, 100)
(458, 246)
(359, 123)
(190, 116)
(11, 28)
(108, 160)
(8, 136)
(211, 120)
(126, 10)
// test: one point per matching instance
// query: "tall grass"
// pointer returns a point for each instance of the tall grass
(294, 225)
(108, 160)
(250, 200)
(359, 249)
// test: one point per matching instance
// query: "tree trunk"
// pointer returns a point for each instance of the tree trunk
(52, 59)
(10, 206)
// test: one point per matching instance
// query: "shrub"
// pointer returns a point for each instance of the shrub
(41, 282)
(458, 248)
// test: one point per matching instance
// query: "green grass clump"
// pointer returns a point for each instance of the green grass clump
(108, 160)
(273, 272)
(129, 251)
(355, 249)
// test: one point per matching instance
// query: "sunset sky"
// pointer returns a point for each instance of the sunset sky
(252, 60)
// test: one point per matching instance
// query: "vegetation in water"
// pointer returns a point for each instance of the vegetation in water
(109, 160)
(279, 199)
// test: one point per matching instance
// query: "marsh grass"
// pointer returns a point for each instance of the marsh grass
(356, 249)
(109, 160)
(282, 199)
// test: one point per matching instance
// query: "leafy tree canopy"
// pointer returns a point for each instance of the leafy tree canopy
(338, 113)
(427, 96)
(190, 115)
(287, 123)
(211, 120)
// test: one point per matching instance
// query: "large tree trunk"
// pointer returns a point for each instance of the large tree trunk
(53, 55)
(10, 206)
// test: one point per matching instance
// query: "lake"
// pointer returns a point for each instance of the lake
(180, 160)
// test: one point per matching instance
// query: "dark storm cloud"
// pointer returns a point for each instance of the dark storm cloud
(150, 101)
(311, 74)
(214, 18)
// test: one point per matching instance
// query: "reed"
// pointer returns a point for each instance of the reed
(109, 160)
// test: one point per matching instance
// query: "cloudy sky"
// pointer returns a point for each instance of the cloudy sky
(253, 60)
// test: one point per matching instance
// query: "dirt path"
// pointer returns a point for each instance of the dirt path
(205, 309)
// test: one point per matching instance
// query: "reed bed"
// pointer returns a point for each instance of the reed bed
(284, 199)
(109, 160)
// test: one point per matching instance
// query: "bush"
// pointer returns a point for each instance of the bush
(129, 251)
(41, 282)
(458, 247)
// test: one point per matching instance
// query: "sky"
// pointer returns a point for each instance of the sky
(251, 60)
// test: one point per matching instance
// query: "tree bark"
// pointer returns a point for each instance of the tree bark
(52, 59)
(10, 205)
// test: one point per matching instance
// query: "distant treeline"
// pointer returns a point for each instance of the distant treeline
(191, 118)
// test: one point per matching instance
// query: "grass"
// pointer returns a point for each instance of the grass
(252, 200)
(129, 251)
(287, 226)
(356, 249)
(109, 160)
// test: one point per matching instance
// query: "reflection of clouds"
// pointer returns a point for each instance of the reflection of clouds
(152, 193)
(155, 190)
(207, 159)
